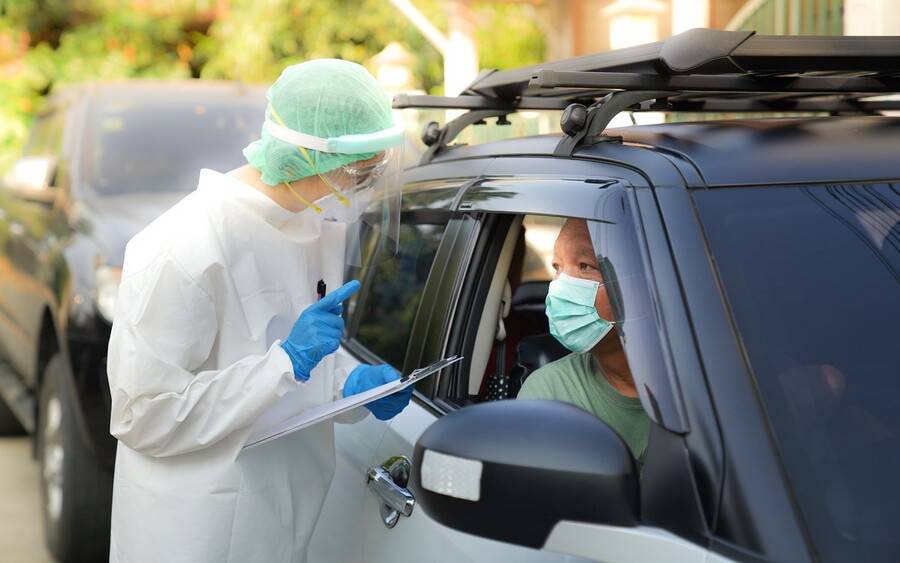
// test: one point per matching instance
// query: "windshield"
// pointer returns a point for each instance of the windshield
(812, 275)
(144, 143)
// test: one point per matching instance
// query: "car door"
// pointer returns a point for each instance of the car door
(500, 205)
(380, 320)
(27, 230)
(450, 301)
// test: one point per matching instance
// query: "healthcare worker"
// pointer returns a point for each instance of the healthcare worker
(218, 319)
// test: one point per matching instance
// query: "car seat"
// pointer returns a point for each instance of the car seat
(533, 353)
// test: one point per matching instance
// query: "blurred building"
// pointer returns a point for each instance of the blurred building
(577, 27)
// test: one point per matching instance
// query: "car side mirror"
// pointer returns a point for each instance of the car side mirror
(512, 470)
(31, 178)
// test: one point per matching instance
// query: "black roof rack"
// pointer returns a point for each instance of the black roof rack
(701, 70)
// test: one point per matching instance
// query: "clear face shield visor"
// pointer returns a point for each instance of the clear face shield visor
(365, 194)
(372, 191)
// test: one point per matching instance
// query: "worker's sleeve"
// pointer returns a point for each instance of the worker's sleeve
(164, 330)
(344, 363)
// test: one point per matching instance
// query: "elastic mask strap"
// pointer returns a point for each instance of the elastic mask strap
(334, 189)
(337, 193)
(303, 200)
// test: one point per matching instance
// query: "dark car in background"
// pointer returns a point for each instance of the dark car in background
(102, 161)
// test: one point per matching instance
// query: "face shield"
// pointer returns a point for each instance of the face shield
(364, 191)
(622, 262)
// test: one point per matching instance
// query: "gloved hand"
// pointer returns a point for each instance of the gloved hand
(318, 331)
(366, 377)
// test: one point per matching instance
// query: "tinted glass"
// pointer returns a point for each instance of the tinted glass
(386, 306)
(812, 275)
(155, 145)
(619, 248)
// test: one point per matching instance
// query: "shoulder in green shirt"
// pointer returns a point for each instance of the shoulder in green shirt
(577, 379)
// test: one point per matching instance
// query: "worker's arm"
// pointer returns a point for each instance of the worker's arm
(162, 403)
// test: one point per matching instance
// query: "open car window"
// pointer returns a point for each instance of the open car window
(514, 312)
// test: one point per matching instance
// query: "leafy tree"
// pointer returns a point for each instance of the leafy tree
(47, 43)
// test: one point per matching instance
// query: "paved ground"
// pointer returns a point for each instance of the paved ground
(21, 535)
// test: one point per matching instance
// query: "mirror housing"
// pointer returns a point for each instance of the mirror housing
(511, 470)
(31, 177)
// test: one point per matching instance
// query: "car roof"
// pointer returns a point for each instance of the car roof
(744, 152)
(149, 89)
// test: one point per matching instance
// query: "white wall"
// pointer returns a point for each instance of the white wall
(871, 17)
(688, 14)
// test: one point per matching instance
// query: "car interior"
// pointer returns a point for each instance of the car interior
(512, 340)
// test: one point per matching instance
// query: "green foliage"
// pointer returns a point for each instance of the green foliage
(48, 43)
(508, 36)
(255, 40)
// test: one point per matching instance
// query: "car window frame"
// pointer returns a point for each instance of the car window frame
(508, 195)
(681, 496)
(427, 199)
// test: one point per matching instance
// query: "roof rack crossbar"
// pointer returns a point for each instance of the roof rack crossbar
(714, 53)
(551, 79)
(699, 70)
(764, 105)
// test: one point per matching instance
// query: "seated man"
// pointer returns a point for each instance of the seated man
(596, 376)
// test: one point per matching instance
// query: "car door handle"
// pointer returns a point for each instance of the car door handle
(388, 482)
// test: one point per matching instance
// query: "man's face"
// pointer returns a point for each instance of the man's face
(573, 255)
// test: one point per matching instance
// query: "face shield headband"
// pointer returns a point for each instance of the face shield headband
(349, 177)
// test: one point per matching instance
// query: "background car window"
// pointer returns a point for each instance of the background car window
(812, 275)
(160, 145)
(383, 311)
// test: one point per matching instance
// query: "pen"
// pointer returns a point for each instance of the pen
(321, 289)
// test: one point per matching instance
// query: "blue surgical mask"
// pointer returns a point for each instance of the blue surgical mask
(573, 317)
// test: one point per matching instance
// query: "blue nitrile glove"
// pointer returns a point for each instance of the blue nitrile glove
(366, 377)
(318, 331)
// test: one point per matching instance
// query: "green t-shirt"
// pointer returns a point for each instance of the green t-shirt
(577, 379)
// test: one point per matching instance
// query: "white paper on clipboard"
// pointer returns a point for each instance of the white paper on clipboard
(273, 431)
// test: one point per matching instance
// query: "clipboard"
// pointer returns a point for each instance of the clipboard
(330, 410)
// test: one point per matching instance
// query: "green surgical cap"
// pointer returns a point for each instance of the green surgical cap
(324, 98)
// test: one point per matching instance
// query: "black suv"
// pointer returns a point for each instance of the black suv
(102, 162)
(754, 268)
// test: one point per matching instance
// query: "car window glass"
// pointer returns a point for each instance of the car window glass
(812, 276)
(160, 145)
(384, 310)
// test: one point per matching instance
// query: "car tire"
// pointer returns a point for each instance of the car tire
(76, 490)
(9, 422)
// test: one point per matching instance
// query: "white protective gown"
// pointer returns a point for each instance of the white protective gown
(208, 291)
